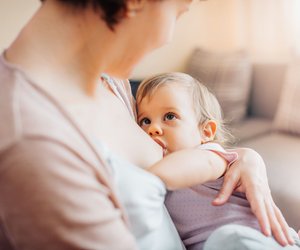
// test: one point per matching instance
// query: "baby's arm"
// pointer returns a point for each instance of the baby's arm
(189, 167)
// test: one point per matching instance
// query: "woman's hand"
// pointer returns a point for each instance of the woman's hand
(249, 175)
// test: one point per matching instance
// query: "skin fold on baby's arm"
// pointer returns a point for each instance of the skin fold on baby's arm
(189, 167)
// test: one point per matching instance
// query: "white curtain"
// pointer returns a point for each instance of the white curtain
(274, 29)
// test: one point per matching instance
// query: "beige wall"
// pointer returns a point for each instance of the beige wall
(13, 15)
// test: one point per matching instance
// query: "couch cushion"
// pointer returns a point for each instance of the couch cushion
(250, 128)
(228, 76)
(281, 155)
(287, 117)
(267, 83)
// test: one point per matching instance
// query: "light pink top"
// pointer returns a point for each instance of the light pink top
(56, 191)
(194, 216)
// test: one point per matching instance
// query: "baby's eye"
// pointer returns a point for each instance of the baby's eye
(144, 121)
(170, 116)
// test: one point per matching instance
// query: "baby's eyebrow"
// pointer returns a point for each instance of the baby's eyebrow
(171, 109)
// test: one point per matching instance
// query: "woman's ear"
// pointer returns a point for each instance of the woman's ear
(208, 129)
(134, 6)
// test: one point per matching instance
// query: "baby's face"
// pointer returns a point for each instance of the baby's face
(169, 118)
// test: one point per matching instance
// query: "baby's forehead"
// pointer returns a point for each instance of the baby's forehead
(171, 85)
(149, 91)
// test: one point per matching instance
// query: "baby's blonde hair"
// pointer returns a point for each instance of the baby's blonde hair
(206, 104)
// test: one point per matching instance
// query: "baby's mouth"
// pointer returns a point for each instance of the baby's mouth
(160, 143)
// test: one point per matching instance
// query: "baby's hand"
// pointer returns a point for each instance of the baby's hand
(299, 233)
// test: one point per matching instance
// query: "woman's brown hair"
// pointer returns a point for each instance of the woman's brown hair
(111, 11)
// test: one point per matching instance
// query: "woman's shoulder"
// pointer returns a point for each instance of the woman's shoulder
(11, 82)
(25, 110)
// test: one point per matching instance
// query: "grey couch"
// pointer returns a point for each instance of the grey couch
(280, 151)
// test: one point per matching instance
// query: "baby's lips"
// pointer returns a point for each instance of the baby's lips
(160, 143)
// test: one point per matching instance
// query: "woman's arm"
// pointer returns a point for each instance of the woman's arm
(249, 175)
(189, 167)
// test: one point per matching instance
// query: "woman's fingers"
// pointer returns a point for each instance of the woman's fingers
(257, 204)
(268, 214)
(283, 224)
(231, 180)
(276, 227)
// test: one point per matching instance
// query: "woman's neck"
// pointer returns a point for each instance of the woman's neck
(60, 45)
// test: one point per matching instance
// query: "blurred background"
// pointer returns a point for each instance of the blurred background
(248, 53)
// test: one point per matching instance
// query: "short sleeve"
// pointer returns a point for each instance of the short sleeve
(229, 156)
(52, 199)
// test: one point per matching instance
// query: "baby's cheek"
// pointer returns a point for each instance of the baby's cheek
(179, 145)
(184, 143)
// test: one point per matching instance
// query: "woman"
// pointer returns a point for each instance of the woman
(62, 123)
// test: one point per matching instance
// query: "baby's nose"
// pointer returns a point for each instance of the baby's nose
(155, 129)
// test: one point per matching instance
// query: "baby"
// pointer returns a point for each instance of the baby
(180, 113)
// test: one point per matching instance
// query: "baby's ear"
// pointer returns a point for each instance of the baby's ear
(208, 129)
